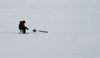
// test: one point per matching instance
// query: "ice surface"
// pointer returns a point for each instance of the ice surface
(73, 26)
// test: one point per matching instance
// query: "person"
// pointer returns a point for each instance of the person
(22, 26)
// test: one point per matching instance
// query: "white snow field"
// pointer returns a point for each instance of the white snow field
(73, 26)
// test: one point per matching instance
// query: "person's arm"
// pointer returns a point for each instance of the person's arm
(25, 27)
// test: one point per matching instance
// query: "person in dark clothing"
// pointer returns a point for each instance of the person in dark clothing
(22, 26)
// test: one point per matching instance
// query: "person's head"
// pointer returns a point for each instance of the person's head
(24, 21)
(21, 22)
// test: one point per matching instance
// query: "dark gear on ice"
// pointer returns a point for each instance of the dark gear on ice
(22, 26)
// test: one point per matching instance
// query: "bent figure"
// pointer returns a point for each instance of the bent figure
(22, 26)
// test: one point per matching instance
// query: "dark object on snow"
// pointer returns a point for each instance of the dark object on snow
(34, 30)
(43, 31)
(22, 26)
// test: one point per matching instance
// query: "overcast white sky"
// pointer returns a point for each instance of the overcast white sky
(62, 11)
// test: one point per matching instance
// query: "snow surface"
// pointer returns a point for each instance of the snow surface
(73, 26)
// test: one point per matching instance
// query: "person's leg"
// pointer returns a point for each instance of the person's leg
(24, 30)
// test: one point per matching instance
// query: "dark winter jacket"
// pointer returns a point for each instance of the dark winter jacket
(22, 26)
